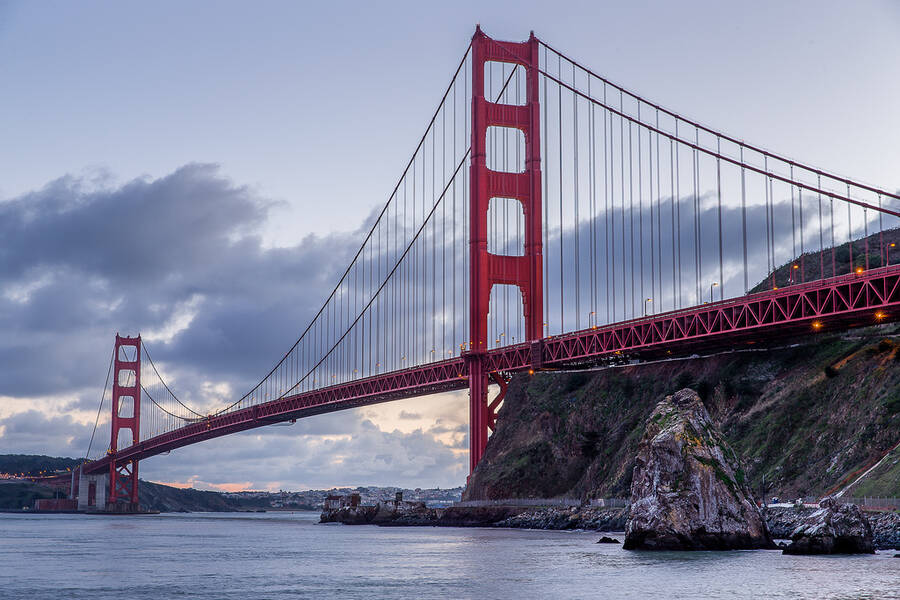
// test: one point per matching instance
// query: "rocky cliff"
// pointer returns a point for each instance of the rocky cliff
(803, 417)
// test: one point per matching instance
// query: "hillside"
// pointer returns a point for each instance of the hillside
(35, 464)
(15, 495)
(803, 417)
(872, 252)
(153, 496)
(165, 498)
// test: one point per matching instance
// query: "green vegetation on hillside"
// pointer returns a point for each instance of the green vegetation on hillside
(21, 494)
(876, 251)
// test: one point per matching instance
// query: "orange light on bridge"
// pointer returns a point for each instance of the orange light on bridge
(817, 324)
(531, 371)
(879, 315)
(859, 270)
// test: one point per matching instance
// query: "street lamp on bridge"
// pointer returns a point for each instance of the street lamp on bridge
(713, 285)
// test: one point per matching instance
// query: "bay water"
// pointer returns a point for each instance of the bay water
(290, 555)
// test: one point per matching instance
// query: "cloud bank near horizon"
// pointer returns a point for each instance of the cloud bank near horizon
(181, 259)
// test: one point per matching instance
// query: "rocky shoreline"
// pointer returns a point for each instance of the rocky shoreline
(781, 521)
(885, 525)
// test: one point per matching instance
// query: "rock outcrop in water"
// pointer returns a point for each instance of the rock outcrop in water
(688, 490)
(833, 529)
(389, 512)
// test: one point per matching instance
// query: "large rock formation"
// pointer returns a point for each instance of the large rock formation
(688, 490)
(833, 529)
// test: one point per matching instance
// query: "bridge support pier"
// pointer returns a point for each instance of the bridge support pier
(92, 492)
(488, 269)
(126, 416)
(479, 416)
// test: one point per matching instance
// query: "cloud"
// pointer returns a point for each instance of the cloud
(181, 259)
(343, 448)
(32, 432)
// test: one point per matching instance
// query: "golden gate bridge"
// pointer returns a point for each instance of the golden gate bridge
(547, 218)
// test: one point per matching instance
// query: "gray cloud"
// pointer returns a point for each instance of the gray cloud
(83, 259)
(81, 262)
(32, 432)
(346, 448)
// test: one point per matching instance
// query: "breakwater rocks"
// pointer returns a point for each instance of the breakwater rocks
(833, 529)
(513, 517)
(590, 518)
(783, 522)
(886, 529)
(383, 513)
(689, 491)
(417, 514)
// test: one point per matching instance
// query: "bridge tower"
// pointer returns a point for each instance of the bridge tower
(126, 415)
(488, 269)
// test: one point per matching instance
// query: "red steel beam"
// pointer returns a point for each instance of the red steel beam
(418, 381)
(825, 305)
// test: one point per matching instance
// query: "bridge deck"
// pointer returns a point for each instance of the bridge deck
(841, 302)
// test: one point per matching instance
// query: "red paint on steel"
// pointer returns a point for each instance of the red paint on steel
(502, 380)
(834, 304)
(123, 473)
(488, 269)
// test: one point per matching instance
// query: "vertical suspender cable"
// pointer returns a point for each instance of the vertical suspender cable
(658, 218)
(698, 271)
(562, 306)
(622, 186)
(850, 229)
(821, 238)
(631, 240)
(577, 225)
(802, 247)
(880, 232)
(678, 212)
(719, 215)
(641, 302)
(653, 297)
(592, 156)
(673, 222)
(743, 222)
(793, 231)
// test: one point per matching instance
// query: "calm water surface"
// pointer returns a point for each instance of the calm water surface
(289, 555)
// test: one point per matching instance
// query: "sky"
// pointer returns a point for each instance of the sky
(286, 124)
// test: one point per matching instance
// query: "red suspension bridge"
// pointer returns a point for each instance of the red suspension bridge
(548, 218)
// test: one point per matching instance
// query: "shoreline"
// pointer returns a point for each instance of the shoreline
(780, 520)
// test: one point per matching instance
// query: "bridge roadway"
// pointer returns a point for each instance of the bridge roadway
(832, 304)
